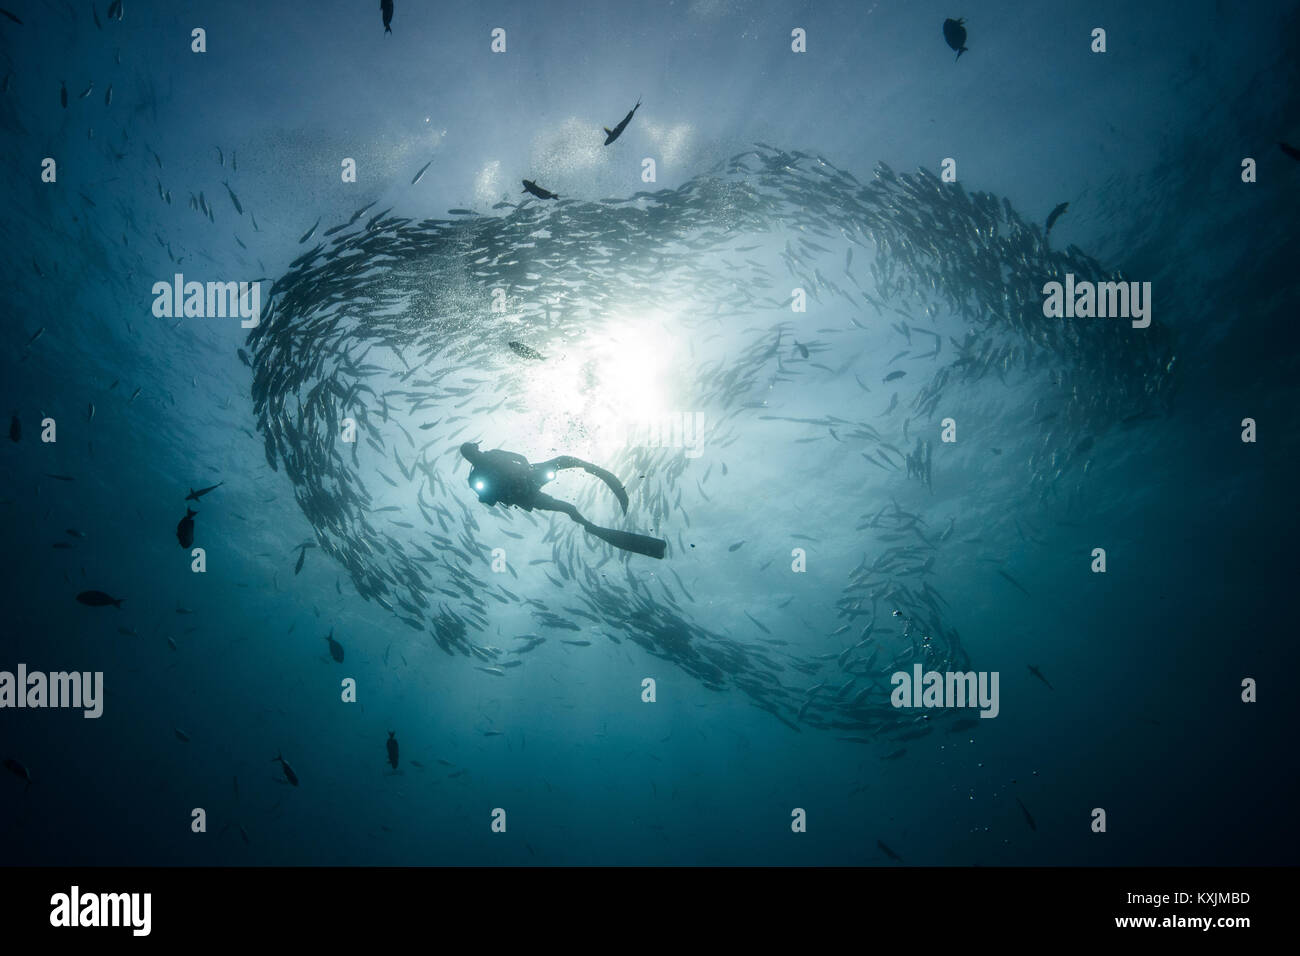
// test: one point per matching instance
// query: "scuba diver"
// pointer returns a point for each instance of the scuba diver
(502, 476)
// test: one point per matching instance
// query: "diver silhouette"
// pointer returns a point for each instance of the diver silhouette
(503, 477)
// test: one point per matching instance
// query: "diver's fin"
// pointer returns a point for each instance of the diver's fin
(568, 461)
(638, 543)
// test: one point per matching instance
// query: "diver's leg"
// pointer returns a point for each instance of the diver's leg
(547, 469)
(544, 502)
(627, 540)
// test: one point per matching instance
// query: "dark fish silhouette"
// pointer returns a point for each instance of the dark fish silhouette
(617, 131)
(98, 599)
(336, 649)
(888, 852)
(894, 376)
(1290, 151)
(538, 191)
(288, 771)
(309, 233)
(392, 750)
(803, 349)
(15, 429)
(302, 556)
(196, 495)
(20, 23)
(13, 766)
(420, 174)
(181, 735)
(1054, 215)
(233, 198)
(526, 352)
(1014, 583)
(185, 528)
(955, 34)
(1039, 674)
(1028, 819)
(63, 94)
(386, 8)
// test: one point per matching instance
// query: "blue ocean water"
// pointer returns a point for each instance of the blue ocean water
(1143, 717)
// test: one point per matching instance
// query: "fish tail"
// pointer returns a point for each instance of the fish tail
(959, 53)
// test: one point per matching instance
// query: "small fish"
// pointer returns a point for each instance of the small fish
(1290, 151)
(35, 335)
(520, 349)
(181, 735)
(15, 429)
(1014, 583)
(171, 643)
(1039, 674)
(386, 9)
(288, 771)
(185, 528)
(20, 23)
(392, 749)
(302, 556)
(309, 233)
(196, 495)
(737, 546)
(577, 643)
(1028, 819)
(617, 131)
(888, 852)
(12, 765)
(63, 94)
(802, 349)
(233, 198)
(420, 174)
(134, 394)
(221, 157)
(494, 671)
(336, 649)
(99, 599)
(538, 191)
(108, 95)
(894, 376)
(87, 90)
(90, 412)
(74, 533)
(1054, 215)
(954, 33)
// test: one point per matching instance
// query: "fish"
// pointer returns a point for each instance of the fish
(538, 191)
(336, 649)
(63, 94)
(888, 852)
(185, 528)
(392, 749)
(74, 533)
(87, 90)
(802, 349)
(494, 671)
(520, 349)
(14, 767)
(309, 233)
(737, 546)
(99, 599)
(233, 198)
(1028, 818)
(1014, 583)
(386, 8)
(1054, 215)
(1039, 674)
(15, 429)
(20, 23)
(617, 131)
(894, 376)
(954, 33)
(420, 174)
(196, 495)
(108, 95)
(289, 775)
(1290, 151)
(576, 643)
(181, 735)
(302, 556)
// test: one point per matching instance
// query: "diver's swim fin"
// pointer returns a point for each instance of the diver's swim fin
(568, 461)
(638, 543)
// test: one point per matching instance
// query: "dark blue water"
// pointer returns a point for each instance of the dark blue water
(1144, 717)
